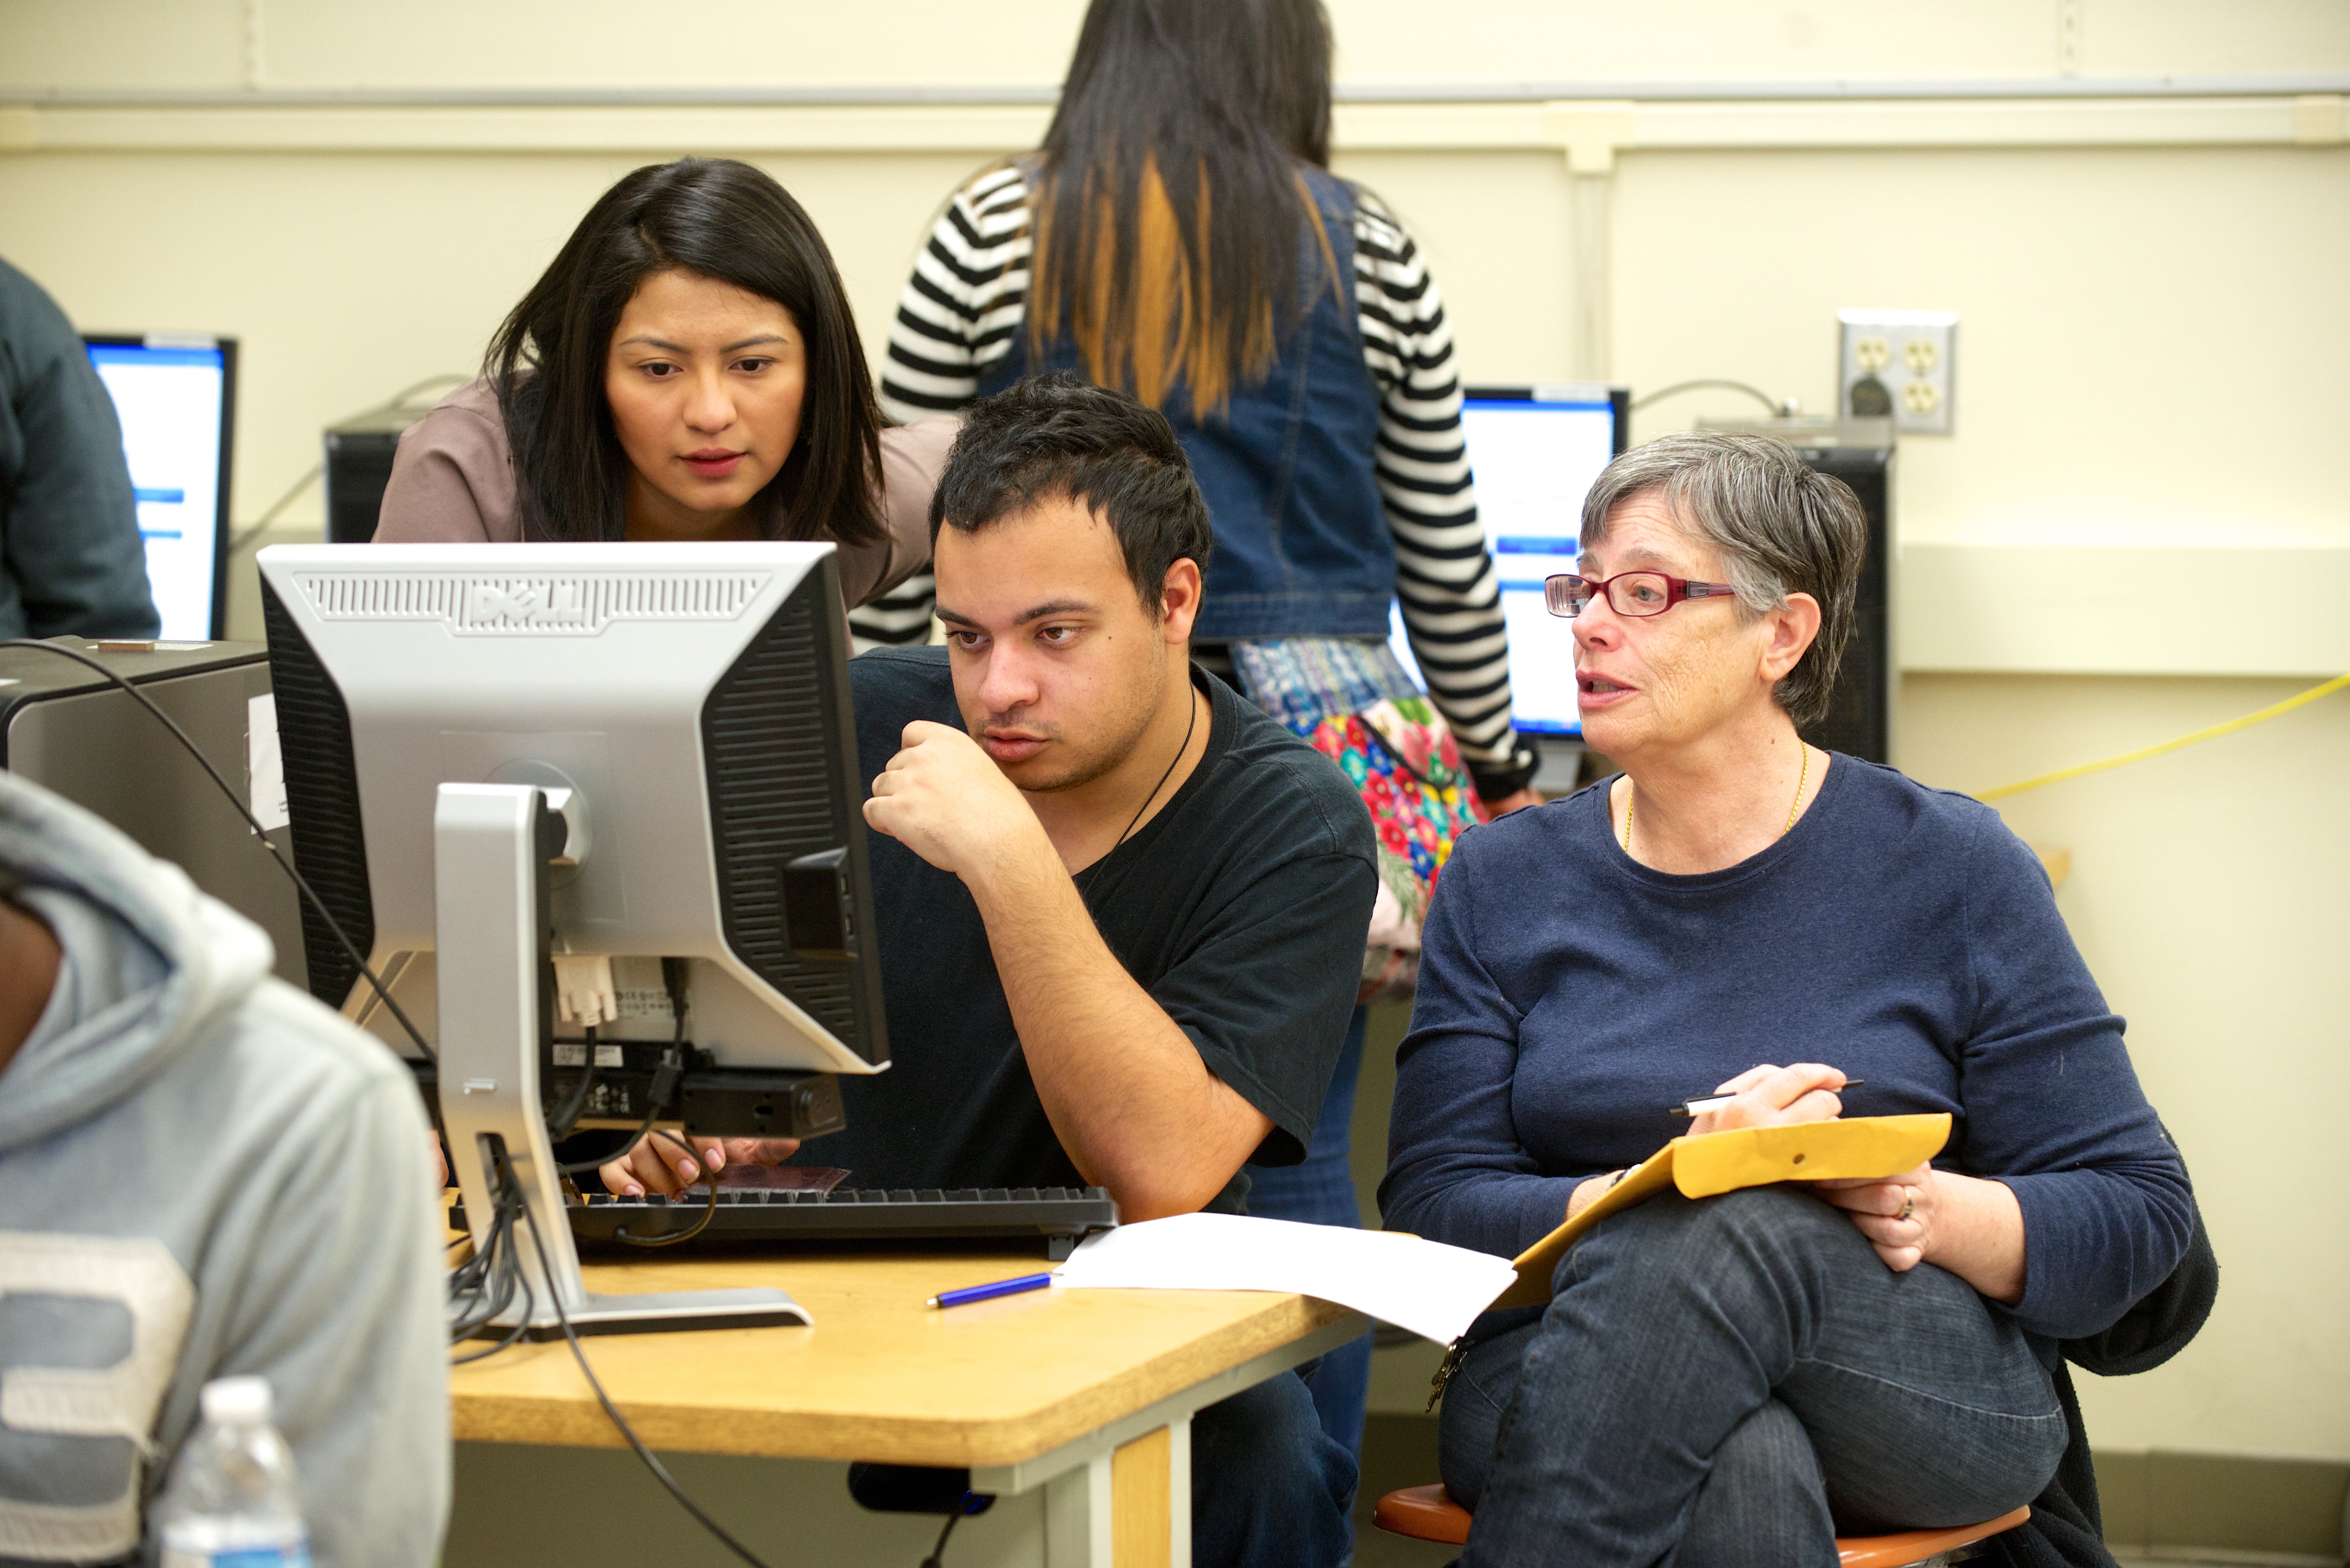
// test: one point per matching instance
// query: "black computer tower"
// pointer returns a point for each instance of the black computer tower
(1859, 721)
(358, 465)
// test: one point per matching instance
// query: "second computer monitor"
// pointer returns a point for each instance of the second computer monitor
(1535, 451)
(175, 398)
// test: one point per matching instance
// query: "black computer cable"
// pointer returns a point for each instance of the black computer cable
(559, 1126)
(660, 1472)
(665, 1077)
(937, 1557)
(260, 526)
(709, 1209)
(485, 1284)
(470, 1284)
(1704, 383)
(317, 905)
(486, 1279)
(521, 1326)
(652, 1112)
(467, 1284)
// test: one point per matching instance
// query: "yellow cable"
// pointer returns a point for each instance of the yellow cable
(2213, 733)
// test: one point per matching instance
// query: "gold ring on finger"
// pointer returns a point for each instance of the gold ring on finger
(1908, 1206)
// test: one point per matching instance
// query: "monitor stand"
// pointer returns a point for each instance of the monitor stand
(490, 847)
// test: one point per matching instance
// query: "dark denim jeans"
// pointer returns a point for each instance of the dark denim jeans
(1727, 1382)
(1321, 1191)
(1269, 1487)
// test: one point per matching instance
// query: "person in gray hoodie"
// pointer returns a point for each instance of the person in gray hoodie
(202, 1173)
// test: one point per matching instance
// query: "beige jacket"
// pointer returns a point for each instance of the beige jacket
(452, 482)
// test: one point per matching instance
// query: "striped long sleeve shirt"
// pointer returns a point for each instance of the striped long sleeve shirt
(968, 299)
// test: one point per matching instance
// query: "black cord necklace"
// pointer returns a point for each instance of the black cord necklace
(1190, 720)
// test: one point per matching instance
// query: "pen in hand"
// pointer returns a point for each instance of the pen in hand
(1699, 1104)
(988, 1292)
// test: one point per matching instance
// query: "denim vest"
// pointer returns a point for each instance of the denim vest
(1302, 542)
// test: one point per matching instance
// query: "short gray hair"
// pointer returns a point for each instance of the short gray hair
(1780, 526)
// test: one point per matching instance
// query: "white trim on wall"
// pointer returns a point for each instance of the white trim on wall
(1591, 130)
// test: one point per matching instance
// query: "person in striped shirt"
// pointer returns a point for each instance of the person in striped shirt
(965, 326)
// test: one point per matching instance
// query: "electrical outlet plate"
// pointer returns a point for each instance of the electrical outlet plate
(1898, 363)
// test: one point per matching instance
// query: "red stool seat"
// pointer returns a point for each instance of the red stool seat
(1426, 1514)
(1909, 1546)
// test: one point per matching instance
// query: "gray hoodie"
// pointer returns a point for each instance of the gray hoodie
(203, 1172)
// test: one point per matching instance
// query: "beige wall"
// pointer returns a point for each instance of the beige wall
(2211, 894)
(2153, 331)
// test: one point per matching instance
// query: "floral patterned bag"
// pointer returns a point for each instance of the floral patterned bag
(1352, 702)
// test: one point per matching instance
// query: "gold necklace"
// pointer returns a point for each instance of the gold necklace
(1802, 776)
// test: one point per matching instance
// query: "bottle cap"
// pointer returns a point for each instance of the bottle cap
(236, 1401)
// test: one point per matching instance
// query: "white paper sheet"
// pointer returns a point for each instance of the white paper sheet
(264, 763)
(1432, 1289)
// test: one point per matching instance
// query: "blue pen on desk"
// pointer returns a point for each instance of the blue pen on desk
(970, 1293)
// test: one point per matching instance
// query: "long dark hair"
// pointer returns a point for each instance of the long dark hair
(720, 219)
(1169, 198)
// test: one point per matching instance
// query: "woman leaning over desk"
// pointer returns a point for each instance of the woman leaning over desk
(686, 369)
(1729, 1380)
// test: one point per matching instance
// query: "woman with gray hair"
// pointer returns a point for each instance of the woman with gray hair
(1730, 1380)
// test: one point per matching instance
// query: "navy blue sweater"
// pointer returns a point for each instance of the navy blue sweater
(1568, 994)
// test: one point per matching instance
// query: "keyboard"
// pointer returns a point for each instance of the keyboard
(1060, 1216)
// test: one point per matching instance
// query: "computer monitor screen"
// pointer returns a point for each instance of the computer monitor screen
(1535, 451)
(695, 700)
(176, 399)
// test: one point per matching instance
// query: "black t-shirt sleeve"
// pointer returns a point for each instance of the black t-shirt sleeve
(1266, 996)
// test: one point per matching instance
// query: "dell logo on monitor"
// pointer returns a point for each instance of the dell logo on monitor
(492, 603)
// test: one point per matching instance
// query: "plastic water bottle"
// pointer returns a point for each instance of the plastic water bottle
(230, 1503)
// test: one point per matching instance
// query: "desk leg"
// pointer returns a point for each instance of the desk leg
(1084, 1479)
(1130, 1507)
(1179, 1492)
(1077, 1516)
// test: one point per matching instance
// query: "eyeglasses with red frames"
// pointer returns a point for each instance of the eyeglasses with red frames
(1629, 593)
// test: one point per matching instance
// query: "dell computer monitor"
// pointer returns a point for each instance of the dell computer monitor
(1535, 451)
(176, 399)
(695, 700)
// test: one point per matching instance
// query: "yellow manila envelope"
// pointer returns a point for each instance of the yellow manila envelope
(1853, 1147)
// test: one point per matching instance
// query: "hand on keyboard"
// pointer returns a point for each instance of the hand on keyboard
(657, 1163)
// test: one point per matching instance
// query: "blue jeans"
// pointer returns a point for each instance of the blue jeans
(1269, 1488)
(1729, 1381)
(1321, 1191)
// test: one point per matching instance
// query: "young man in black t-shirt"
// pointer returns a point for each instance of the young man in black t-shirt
(1122, 911)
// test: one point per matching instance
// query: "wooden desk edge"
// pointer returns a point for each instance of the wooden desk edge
(576, 1420)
